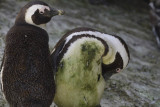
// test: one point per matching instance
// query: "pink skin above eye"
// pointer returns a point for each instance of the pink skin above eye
(118, 70)
(43, 8)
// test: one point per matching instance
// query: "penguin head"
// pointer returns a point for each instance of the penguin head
(117, 57)
(36, 13)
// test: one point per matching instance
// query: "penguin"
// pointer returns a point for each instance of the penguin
(155, 19)
(81, 59)
(26, 70)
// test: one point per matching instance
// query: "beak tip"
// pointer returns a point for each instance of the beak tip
(61, 12)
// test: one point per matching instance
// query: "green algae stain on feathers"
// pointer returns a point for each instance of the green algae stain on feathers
(89, 51)
(78, 72)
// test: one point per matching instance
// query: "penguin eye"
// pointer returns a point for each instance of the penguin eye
(118, 70)
(41, 12)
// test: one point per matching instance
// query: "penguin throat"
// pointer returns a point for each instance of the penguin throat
(43, 26)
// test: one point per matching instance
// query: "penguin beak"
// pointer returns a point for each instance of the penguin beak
(55, 12)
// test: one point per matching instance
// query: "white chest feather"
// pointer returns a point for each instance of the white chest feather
(79, 80)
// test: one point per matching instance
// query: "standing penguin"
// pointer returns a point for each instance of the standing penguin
(81, 59)
(27, 74)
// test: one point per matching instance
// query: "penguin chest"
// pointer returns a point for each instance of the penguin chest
(79, 82)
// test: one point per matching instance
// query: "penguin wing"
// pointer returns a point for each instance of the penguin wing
(56, 53)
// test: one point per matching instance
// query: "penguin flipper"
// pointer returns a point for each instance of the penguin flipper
(54, 56)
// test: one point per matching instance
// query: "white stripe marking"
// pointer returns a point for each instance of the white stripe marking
(2, 81)
(2, 77)
(30, 11)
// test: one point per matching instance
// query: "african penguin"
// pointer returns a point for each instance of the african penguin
(27, 74)
(81, 59)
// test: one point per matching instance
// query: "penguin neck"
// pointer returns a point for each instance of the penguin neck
(110, 56)
(41, 26)
(116, 46)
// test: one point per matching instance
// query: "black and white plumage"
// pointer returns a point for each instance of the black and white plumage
(155, 19)
(26, 73)
(81, 59)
